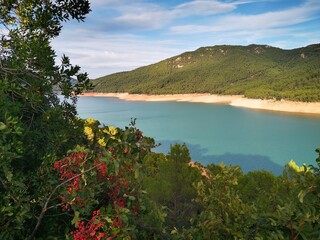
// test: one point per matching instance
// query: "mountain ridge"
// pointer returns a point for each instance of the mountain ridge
(255, 71)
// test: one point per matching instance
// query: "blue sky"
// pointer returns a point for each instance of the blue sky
(121, 35)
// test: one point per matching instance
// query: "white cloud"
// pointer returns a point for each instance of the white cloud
(257, 22)
(109, 3)
(101, 54)
(238, 2)
(202, 7)
(146, 15)
(143, 19)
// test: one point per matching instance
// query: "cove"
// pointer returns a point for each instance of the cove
(215, 133)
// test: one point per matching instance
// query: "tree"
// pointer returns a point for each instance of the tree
(36, 127)
(170, 184)
(28, 74)
(224, 214)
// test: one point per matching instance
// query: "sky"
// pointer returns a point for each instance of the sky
(121, 35)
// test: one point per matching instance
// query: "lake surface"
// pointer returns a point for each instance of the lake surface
(216, 133)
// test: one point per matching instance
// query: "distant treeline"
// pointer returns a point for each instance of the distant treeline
(256, 71)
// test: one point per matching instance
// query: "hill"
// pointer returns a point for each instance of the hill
(256, 71)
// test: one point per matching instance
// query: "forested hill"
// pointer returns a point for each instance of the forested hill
(256, 71)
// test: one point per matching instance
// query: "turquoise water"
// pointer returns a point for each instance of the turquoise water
(216, 133)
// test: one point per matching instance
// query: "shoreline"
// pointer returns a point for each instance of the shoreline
(232, 100)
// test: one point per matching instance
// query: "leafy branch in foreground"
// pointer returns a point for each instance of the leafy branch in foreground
(36, 126)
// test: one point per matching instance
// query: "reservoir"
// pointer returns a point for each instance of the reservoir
(214, 133)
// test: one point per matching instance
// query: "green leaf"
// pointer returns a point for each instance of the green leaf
(116, 167)
(2, 126)
(108, 219)
(132, 198)
(83, 176)
(9, 176)
(9, 214)
(301, 195)
(76, 218)
(136, 173)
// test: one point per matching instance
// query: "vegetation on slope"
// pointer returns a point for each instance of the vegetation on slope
(256, 71)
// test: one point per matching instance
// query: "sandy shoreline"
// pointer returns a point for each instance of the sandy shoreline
(233, 100)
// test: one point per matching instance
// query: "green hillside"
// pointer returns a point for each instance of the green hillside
(256, 71)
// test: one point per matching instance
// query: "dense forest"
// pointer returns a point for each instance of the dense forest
(256, 71)
(62, 177)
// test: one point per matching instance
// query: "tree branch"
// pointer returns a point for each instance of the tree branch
(45, 207)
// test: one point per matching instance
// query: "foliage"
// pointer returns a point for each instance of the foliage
(257, 205)
(62, 177)
(256, 71)
(28, 74)
(169, 182)
(98, 181)
(101, 188)
(224, 215)
(36, 127)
